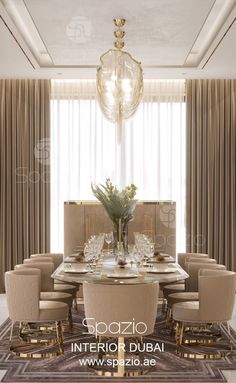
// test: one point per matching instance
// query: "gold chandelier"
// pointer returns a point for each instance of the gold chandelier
(119, 81)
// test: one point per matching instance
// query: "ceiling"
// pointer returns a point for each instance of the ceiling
(64, 39)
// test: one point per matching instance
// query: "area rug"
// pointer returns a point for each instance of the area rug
(68, 369)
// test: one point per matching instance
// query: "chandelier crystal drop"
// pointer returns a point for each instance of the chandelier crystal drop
(119, 82)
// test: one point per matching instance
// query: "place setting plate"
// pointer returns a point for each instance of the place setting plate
(164, 271)
(120, 276)
(165, 258)
(74, 271)
(75, 258)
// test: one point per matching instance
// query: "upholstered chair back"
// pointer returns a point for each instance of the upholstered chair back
(57, 257)
(216, 294)
(42, 259)
(182, 257)
(112, 304)
(193, 271)
(46, 268)
(197, 260)
(23, 291)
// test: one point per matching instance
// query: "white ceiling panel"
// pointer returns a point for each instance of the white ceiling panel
(224, 55)
(12, 59)
(158, 32)
(65, 38)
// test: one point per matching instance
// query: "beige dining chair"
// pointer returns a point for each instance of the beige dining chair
(126, 303)
(57, 259)
(177, 288)
(191, 293)
(180, 287)
(24, 305)
(197, 260)
(47, 292)
(182, 256)
(65, 288)
(215, 306)
(193, 271)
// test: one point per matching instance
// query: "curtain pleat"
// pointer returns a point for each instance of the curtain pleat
(24, 171)
(211, 169)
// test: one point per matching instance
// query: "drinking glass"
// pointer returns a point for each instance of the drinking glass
(150, 250)
(109, 239)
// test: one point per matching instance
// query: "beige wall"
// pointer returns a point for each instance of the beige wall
(84, 218)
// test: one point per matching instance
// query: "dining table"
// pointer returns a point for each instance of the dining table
(107, 271)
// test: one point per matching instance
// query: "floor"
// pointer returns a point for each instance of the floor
(230, 375)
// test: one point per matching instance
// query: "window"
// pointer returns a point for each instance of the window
(84, 149)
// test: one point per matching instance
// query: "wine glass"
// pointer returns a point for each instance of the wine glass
(150, 251)
(138, 256)
(109, 239)
(88, 253)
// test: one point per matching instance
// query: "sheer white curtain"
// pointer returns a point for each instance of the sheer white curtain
(84, 148)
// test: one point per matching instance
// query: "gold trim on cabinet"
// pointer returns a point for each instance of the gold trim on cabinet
(138, 203)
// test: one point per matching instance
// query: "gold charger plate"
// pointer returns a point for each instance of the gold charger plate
(167, 271)
(155, 260)
(76, 271)
(119, 276)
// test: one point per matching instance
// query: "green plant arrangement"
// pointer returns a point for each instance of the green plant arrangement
(119, 205)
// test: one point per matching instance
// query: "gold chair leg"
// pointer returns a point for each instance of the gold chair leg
(11, 331)
(164, 305)
(229, 336)
(180, 329)
(24, 350)
(228, 328)
(101, 353)
(179, 335)
(121, 371)
(60, 337)
(75, 304)
(70, 321)
(213, 334)
(172, 327)
(37, 335)
(205, 330)
(121, 357)
(169, 317)
(141, 355)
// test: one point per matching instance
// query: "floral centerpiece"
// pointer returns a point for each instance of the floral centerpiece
(119, 205)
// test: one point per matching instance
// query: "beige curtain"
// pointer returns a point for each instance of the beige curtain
(24, 170)
(211, 169)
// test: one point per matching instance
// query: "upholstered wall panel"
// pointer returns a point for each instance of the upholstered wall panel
(84, 218)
